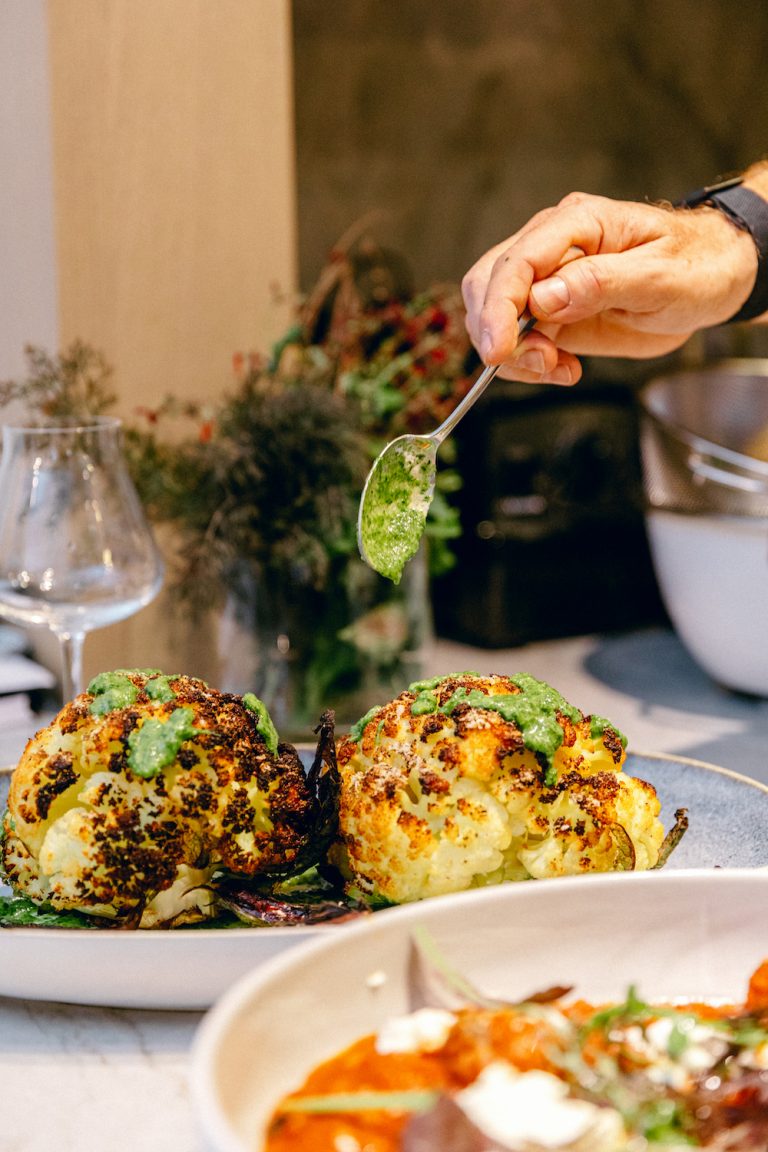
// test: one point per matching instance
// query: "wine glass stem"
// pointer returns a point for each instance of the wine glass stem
(71, 664)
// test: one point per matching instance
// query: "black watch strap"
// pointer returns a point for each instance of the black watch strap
(749, 212)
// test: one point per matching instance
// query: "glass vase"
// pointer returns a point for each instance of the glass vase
(354, 643)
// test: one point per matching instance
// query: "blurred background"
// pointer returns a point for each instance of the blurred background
(176, 172)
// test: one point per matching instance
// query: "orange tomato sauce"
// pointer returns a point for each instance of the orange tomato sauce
(477, 1037)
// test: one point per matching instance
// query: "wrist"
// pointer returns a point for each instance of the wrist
(746, 210)
(733, 262)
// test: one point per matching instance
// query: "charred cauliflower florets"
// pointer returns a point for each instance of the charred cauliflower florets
(141, 788)
(469, 780)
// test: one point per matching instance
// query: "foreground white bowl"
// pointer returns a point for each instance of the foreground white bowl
(684, 935)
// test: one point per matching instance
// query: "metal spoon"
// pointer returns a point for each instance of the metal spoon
(401, 485)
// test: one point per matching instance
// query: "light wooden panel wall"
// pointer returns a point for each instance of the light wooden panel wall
(174, 183)
(27, 275)
(173, 157)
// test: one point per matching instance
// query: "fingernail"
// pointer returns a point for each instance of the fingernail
(532, 362)
(561, 375)
(551, 295)
(486, 345)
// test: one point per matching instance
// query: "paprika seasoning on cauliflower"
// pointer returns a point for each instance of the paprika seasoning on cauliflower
(141, 789)
(467, 780)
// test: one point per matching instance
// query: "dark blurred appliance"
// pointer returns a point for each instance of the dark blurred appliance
(553, 541)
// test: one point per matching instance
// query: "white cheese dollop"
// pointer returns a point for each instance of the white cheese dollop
(530, 1111)
(703, 1048)
(425, 1030)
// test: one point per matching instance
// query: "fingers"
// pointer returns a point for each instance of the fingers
(538, 360)
(636, 282)
(604, 277)
(480, 338)
(655, 288)
(497, 286)
(570, 240)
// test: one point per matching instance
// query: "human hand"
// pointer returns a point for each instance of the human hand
(605, 277)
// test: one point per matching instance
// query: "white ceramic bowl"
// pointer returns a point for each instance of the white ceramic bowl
(713, 577)
(684, 935)
(704, 441)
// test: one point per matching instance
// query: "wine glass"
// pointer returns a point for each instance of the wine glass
(76, 552)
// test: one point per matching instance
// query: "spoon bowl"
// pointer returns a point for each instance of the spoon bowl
(395, 502)
(400, 486)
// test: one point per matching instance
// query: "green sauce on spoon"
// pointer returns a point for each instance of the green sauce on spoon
(401, 484)
(395, 503)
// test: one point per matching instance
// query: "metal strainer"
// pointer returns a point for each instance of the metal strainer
(704, 440)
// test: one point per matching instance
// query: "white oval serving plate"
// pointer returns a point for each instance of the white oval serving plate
(191, 968)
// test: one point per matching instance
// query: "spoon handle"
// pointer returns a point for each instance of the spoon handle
(463, 407)
(525, 323)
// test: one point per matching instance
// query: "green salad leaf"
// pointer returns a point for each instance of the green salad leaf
(19, 912)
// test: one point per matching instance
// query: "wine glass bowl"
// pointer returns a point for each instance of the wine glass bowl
(76, 551)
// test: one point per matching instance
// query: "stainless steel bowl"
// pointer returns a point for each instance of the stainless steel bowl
(699, 434)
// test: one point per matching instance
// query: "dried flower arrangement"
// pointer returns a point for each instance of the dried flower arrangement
(72, 385)
(263, 487)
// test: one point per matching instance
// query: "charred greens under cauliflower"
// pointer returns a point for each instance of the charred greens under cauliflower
(469, 780)
(143, 789)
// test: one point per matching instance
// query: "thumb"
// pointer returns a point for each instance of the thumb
(593, 284)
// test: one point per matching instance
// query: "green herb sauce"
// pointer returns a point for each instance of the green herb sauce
(264, 724)
(156, 744)
(111, 691)
(598, 725)
(356, 731)
(115, 690)
(395, 506)
(426, 685)
(533, 710)
(424, 703)
(158, 687)
(435, 681)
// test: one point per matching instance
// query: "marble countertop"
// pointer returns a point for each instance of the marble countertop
(80, 1079)
(115, 1080)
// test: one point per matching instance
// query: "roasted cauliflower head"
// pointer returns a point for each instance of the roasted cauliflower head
(144, 786)
(469, 780)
